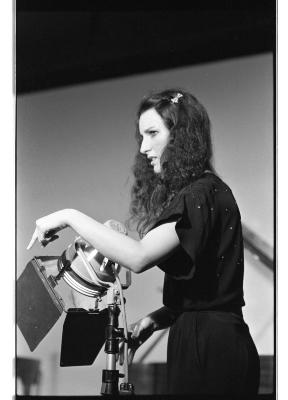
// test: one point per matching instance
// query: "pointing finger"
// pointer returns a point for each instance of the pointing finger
(34, 238)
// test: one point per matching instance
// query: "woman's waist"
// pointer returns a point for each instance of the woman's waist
(229, 308)
(212, 320)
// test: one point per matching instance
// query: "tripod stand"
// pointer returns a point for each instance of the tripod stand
(110, 375)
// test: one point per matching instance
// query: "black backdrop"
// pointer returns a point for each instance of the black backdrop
(68, 42)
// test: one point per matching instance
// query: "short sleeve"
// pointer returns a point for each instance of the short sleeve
(191, 210)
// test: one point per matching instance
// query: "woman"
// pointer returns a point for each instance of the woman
(190, 227)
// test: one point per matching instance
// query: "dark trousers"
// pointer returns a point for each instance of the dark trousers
(212, 352)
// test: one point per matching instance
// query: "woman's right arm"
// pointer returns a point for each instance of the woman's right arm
(136, 255)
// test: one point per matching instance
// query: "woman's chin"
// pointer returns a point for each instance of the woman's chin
(157, 169)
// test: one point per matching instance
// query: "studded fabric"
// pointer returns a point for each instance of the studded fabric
(206, 271)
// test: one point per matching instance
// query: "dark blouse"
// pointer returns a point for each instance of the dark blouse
(206, 271)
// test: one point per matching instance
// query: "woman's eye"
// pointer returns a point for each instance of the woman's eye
(153, 133)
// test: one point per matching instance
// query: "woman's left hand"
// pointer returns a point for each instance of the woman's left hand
(47, 227)
(140, 332)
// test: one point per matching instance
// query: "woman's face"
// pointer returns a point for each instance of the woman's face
(155, 137)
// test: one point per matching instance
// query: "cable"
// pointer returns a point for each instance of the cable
(125, 364)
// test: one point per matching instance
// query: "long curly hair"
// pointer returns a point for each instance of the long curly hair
(185, 158)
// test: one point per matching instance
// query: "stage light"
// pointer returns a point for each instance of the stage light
(39, 306)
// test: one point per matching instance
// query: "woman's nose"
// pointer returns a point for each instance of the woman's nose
(145, 145)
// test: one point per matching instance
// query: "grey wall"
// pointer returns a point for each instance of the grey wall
(75, 147)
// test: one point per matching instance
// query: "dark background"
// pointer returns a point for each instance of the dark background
(62, 43)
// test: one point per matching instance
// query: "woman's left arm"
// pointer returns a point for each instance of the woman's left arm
(136, 255)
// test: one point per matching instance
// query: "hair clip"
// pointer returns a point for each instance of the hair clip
(176, 98)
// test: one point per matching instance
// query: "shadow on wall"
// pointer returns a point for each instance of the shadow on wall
(28, 376)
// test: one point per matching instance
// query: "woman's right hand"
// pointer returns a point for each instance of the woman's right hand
(140, 332)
